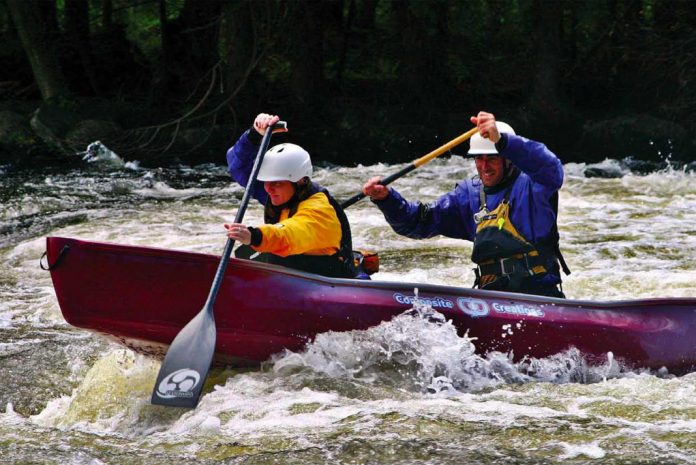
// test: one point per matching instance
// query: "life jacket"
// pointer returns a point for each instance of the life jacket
(338, 265)
(506, 259)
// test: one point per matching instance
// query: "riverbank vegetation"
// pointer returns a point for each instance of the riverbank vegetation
(359, 81)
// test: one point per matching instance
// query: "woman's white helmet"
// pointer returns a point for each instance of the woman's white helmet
(285, 162)
(480, 146)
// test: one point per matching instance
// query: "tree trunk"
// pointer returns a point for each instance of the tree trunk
(307, 80)
(412, 65)
(365, 15)
(162, 72)
(194, 35)
(547, 96)
(77, 28)
(107, 15)
(346, 33)
(240, 51)
(424, 45)
(31, 29)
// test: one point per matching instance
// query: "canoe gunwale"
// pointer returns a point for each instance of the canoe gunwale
(196, 257)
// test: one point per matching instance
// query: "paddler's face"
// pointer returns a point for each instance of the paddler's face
(491, 169)
(279, 191)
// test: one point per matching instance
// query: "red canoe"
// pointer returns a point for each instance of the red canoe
(142, 297)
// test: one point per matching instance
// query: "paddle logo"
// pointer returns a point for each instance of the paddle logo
(473, 307)
(179, 384)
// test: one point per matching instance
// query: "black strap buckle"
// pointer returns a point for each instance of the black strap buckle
(507, 266)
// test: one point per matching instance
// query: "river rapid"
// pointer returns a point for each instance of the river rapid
(365, 397)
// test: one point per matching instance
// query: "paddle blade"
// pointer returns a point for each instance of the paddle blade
(185, 367)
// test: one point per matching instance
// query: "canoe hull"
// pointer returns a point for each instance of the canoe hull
(143, 296)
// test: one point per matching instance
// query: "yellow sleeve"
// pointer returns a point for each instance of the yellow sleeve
(313, 230)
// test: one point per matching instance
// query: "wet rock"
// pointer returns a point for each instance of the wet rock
(51, 122)
(641, 166)
(87, 131)
(603, 172)
(9, 121)
(17, 140)
(639, 136)
(15, 130)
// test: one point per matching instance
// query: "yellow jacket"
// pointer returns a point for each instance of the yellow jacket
(313, 230)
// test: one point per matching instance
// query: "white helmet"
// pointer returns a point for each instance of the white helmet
(480, 146)
(285, 162)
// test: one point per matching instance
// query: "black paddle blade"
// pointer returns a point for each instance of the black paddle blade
(185, 367)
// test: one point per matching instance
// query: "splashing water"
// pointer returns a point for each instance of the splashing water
(410, 390)
(97, 152)
(418, 350)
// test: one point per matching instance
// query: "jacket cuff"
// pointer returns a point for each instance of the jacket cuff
(256, 235)
(385, 200)
(390, 203)
(502, 143)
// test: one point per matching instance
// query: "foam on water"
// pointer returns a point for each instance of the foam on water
(111, 397)
(415, 356)
(405, 391)
(406, 352)
(591, 450)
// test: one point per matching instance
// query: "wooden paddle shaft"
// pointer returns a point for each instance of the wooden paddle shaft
(449, 145)
(416, 164)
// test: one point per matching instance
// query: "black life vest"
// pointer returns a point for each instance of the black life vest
(338, 265)
(506, 259)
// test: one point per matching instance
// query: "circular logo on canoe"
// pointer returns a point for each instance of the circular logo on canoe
(178, 384)
(473, 307)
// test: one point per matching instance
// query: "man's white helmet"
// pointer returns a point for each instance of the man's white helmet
(480, 146)
(285, 162)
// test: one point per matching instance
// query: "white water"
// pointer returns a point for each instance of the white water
(407, 391)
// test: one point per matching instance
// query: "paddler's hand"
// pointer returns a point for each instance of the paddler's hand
(238, 232)
(263, 121)
(375, 190)
(486, 126)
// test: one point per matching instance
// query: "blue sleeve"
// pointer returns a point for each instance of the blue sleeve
(535, 160)
(533, 213)
(240, 161)
(449, 215)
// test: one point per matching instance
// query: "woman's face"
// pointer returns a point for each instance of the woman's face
(279, 191)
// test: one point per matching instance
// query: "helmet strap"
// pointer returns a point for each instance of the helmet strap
(508, 167)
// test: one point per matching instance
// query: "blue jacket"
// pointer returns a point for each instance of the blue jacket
(451, 215)
(240, 162)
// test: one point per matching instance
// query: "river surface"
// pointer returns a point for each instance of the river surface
(70, 397)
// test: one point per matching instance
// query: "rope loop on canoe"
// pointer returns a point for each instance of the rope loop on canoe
(48, 266)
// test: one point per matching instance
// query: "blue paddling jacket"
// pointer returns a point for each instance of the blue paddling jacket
(532, 196)
(240, 161)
